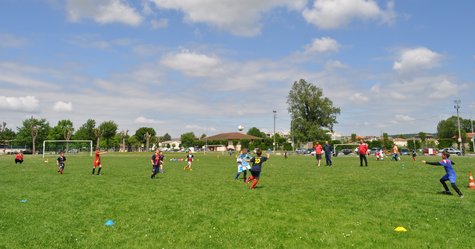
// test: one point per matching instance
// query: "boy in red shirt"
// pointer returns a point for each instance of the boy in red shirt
(97, 162)
(318, 152)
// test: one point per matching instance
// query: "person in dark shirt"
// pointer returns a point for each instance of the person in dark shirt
(257, 162)
(61, 162)
(327, 148)
(450, 173)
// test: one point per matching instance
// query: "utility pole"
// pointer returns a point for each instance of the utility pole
(275, 113)
(457, 107)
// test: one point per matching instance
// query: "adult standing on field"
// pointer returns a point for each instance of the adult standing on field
(362, 151)
(318, 152)
(328, 153)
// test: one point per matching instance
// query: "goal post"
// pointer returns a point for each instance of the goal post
(67, 146)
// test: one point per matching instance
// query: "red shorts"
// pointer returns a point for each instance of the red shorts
(96, 164)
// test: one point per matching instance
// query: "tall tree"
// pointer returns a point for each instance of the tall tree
(422, 136)
(447, 131)
(33, 132)
(108, 129)
(256, 132)
(313, 115)
(144, 135)
(86, 131)
(188, 139)
(61, 130)
(6, 135)
(165, 137)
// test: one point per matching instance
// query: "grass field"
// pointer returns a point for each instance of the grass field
(296, 204)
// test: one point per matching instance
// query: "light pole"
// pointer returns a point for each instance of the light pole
(457, 107)
(275, 114)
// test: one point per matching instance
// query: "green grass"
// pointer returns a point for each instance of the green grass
(296, 204)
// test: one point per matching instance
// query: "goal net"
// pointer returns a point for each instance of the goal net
(53, 147)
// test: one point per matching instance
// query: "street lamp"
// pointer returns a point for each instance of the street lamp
(457, 107)
(275, 114)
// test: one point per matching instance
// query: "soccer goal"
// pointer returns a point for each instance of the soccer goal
(53, 147)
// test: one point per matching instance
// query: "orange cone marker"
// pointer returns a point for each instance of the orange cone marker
(471, 182)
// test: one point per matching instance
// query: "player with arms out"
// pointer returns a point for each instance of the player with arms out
(61, 162)
(189, 159)
(257, 162)
(450, 173)
(97, 162)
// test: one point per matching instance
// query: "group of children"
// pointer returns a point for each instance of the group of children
(246, 163)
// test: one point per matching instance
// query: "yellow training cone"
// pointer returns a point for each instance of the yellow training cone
(400, 229)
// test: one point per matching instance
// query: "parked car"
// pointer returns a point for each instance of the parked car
(405, 152)
(373, 150)
(309, 152)
(300, 151)
(451, 151)
(346, 151)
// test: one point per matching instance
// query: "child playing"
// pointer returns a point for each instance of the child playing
(414, 155)
(162, 159)
(257, 162)
(97, 162)
(155, 160)
(450, 173)
(189, 159)
(60, 162)
(19, 158)
(243, 163)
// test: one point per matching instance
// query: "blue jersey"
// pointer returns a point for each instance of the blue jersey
(257, 162)
(243, 158)
(448, 167)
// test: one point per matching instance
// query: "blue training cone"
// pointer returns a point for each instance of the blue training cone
(109, 223)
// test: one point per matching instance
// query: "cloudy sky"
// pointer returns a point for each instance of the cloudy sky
(207, 66)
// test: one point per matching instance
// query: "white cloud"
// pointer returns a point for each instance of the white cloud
(147, 121)
(332, 14)
(103, 11)
(413, 60)
(323, 45)
(401, 118)
(23, 104)
(237, 17)
(159, 24)
(334, 64)
(359, 97)
(10, 41)
(192, 64)
(443, 89)
(61, 106)
(200, 128)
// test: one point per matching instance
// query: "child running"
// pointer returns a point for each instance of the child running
(60, 162)
(257, 162)
(189, 159)
(97, 162)
(155, 163)
(243, 163)
(450, 173)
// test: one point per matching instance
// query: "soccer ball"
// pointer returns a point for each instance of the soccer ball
(240, 127)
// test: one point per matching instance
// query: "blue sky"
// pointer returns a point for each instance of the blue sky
(207, 66)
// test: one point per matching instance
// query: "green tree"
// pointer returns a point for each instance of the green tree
(423, 137)
(313, 115)
(353, 137)
(447, 132)
(86, 131)
(387, 144)
(165, 137)
(33, 132)
(256, 132)
(62, 131)
(6, 134)
(188, 139)
(109, 130)
(146, 135)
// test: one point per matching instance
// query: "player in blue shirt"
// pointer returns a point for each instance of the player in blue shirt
(257, 162)
(243, 163)
(450, 173)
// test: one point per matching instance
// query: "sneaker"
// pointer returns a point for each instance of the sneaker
(446, 192)
(461, 197)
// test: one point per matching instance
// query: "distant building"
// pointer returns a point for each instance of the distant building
(230, 137)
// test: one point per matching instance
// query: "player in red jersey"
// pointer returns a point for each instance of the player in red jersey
(97, 162)
(189, 159)
(318, 152)
(363, 151)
